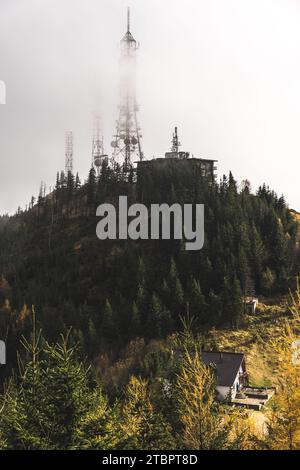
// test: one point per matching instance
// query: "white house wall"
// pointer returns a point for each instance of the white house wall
(223, 392)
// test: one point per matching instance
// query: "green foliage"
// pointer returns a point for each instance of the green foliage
(43, 406)
(113, 291)
(144, 426)
(204, 427)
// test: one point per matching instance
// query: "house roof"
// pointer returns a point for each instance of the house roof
(226, 364)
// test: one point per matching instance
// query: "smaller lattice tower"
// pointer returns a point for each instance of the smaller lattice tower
(69, 152)
(98, 155)
(175, 142)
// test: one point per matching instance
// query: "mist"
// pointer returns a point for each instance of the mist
(226, 73)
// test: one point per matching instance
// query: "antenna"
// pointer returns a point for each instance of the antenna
(127, 139)
(175, 142)
(69, 152)
(98, 155)
(128, 19)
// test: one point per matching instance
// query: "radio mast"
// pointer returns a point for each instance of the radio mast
(69, 153)
(127, 140)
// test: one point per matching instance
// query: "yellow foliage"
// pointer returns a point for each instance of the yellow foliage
(284, 428)
(24, 313)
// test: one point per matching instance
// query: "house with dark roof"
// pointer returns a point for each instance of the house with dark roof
(230, 372)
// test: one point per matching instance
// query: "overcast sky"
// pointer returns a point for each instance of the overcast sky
(226, 72)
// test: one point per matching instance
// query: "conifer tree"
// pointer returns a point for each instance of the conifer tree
(156, 317)
(143, 426)
(284, 416)
(204, 426)
(232, 302)
(135, 324)
(100, 427)
(43, 409)
(91, 186)
(108, 324)
(77, 182)
(198, 307)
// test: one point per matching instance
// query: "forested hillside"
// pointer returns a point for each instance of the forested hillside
(126, 306)
(113, 291)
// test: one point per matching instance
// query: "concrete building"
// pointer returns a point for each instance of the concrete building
(177, 159)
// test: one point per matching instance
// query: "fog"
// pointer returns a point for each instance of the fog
(227, 73)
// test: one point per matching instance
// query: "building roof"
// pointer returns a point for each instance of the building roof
(226, 364)
(172, 160)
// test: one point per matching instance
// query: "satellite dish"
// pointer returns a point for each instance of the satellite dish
(97, 161)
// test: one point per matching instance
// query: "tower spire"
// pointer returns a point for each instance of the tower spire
(127, 139)
(128, 19)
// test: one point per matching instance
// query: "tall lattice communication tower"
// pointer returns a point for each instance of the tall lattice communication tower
(69, 152)
(98, 155)
(127, 140)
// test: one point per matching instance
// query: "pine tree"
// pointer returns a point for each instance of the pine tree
(176, 292)
(143, 426)
(198, 307)
(100, 427)
(70, 185)
(91, 187)
(142, 302)
(77, 182)
(156, 317)
(214, 307)
(108, 325)
(247, 284)
(232, 302)
(204, 426)
(43, 409)
(92, 338)
(135, 324)
(258, 255)
(284, 416)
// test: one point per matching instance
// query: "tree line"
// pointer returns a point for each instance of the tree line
(113, 291)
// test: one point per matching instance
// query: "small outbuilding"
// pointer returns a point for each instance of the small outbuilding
(251, 305)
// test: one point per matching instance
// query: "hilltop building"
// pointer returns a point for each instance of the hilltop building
(180, 160)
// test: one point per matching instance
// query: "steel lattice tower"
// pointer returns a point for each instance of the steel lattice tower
(98, 155)
(127, 140)
(69, 152)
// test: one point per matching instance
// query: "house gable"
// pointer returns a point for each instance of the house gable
(227, 366)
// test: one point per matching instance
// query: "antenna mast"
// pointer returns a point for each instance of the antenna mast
(127, 140)
(97, 147)
(175, 141)
(69, 152)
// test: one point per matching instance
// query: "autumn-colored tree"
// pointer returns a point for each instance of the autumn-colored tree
(203, 425)
(143, 426)
(284, 419)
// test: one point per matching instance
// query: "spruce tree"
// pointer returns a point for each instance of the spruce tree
(143, 426)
